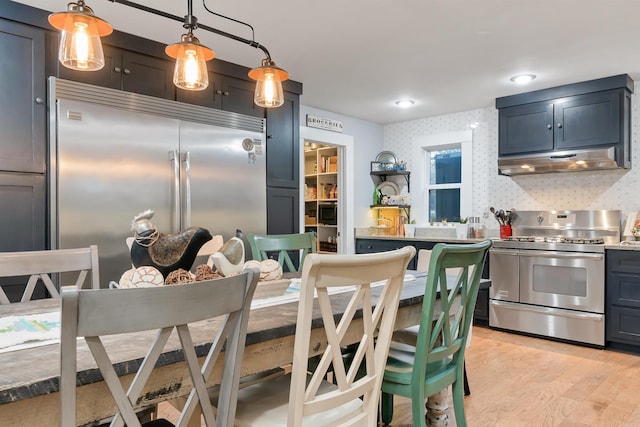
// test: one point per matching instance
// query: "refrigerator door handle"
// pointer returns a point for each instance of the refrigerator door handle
(174, 156)
(186, 219)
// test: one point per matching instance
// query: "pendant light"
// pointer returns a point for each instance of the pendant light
(80, 45)
(191, 57)
(269, 78)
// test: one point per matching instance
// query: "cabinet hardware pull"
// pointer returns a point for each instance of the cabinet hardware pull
(565, 156)
(117, 69)
(39, 100)
(226, 94)
(559, 125)
(549, 126)
(127, 71)
(219, 92)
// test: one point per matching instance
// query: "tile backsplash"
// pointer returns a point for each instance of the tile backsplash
(615, 189)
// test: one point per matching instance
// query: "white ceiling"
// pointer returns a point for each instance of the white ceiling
(357, 57)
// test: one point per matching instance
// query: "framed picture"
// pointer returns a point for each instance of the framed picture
(377, 166)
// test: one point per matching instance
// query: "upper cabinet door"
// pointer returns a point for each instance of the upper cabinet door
(147, 75)
(238, 96)
(210, 97)
(588, 120)
(130, 71)
(526, 128)
(22, 98)
(108, 76)
(283, 143)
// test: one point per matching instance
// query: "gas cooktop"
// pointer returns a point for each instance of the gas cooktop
(567, 231)
(556, 239)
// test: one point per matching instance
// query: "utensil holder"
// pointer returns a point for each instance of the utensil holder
(505, 231)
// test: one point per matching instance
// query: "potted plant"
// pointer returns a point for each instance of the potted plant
(462, 228)
(410, 229)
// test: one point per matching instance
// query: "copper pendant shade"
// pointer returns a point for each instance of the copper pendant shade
(269, 80)
(81, 49)
(190, 72)
(80, 44)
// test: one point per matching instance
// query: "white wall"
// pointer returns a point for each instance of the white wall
(617, 189)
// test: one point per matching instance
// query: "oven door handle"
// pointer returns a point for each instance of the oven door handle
(548, 310)
(564, 255)
(512, 252)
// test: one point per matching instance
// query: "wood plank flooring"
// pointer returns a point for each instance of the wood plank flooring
(523, 381)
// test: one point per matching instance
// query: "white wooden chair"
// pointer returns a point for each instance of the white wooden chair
(95, 314)
(40, 265)
(306, 399)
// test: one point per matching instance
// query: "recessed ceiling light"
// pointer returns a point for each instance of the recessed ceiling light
(405, 103)
(474, 125)
(522, 79)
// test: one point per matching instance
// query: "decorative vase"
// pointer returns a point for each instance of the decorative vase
(462, 230)
(409, 230)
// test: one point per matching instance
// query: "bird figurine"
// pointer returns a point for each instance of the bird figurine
(165, 252)
(229, 260)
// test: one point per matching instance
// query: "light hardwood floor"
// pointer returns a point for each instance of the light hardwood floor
(523, 381)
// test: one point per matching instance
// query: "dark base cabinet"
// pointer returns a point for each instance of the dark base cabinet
(283, 207)
(366, 246)
(22, 197)
(481, 312)
(623, 300)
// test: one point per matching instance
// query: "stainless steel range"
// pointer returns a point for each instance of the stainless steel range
(548, 278)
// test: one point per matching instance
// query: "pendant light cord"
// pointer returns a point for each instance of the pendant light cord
(153, 11)
(253, 33)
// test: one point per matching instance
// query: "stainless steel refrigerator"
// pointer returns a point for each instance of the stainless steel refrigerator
(114, 154)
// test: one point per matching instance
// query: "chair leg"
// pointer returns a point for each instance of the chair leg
(386, 408)
(458, 404)
(467, 391)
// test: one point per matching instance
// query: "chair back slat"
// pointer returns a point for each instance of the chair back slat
(375, 316)
(96, 314)
(282, 244)
(41, 265)
(445, 338)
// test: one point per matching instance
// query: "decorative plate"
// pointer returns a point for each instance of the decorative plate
(389, 188)
(387, 157)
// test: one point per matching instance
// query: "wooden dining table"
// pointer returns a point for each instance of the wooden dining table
(29, 377)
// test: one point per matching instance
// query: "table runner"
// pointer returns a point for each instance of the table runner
(17, 332)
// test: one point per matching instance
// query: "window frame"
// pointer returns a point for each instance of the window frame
(422, 146)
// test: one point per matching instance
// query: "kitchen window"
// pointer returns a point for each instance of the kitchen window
(445, 181)
(443, 177)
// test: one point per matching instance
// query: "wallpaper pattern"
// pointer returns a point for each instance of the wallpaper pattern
(616, 189)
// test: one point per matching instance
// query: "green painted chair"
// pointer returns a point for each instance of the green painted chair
(437, 359)
(283, 244)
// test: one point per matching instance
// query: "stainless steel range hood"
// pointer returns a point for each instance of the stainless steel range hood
(560, 161)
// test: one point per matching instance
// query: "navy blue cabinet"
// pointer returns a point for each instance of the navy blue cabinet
(593, 114)
(526, 128)
(623, 299)
(23, 100)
